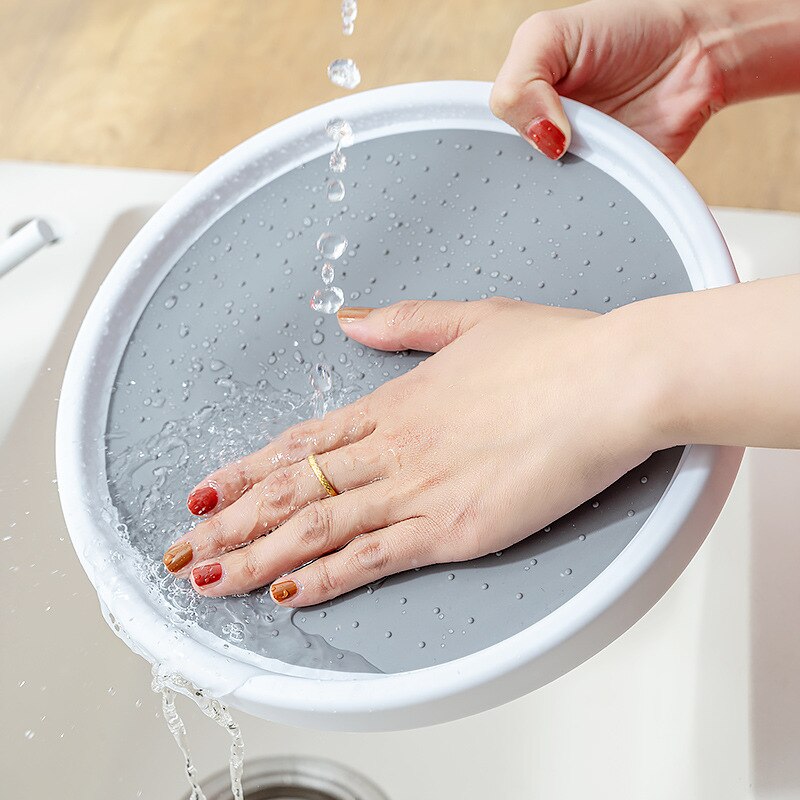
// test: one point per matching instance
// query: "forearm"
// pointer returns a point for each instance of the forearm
(755, 44)
(722, 366)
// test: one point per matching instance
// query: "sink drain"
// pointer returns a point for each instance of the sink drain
(295, 778)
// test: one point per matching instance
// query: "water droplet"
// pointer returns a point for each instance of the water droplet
(470, 620)
(451, 577)
(340, 131)
(582, 537)
(318, 337)
(336, 191)
(338, 160)
(519, 595)
(183, 331)
(344, 72)
(321, 379)
(567, 571)
(328, 300)
(388, 634)
(170, 301)
(29, 735)
(403, 601)
(643, 479)
(631, 512)
(421, 644)
(349, 14)
(327, 273)
(331, 245)
(484, 586)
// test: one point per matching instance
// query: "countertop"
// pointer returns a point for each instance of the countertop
(172, 84)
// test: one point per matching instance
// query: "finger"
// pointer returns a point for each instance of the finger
(274, 500)
(524, 93)
(367, 558)
(427, 325)
(318, 529)
(223, 487)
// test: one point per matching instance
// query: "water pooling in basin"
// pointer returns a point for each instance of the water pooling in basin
(225, 350)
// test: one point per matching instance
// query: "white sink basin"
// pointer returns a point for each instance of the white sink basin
(700, 699)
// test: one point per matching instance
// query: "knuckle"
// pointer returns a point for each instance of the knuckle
(253, 570)
(326, 579)
(404, 313)
(504, 98)
(279, 493)
(315, 526)
(541, 22)
(217, 533)
(298, 440)
(371, 553)
(497, 303)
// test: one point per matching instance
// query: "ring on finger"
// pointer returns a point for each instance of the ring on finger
(321, 477)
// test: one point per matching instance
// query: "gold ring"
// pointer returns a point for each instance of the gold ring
(326, 484)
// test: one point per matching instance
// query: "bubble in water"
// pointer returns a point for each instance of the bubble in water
(328, 300)
(340, 131)
(344, 72)
(327, 273)
(338, 160)
(335, 191)
(331, 245)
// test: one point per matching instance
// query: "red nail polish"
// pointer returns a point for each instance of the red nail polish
(547, 137)
(207, 574)
(203, 500)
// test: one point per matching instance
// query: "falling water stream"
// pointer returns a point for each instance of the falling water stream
(331, 245)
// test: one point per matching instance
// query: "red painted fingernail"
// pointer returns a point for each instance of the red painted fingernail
(283, 591)
(208, 573)
(202, 500)
(547, 137)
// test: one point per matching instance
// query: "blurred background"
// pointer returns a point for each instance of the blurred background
(172, 84)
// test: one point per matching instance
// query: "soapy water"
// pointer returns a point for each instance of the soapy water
(168, 685)
(159, 471)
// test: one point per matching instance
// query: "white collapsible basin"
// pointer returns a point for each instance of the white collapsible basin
(577, 627)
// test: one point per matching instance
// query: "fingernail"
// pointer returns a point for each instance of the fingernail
(352, 313)
(178, 556)
(207, 574)
(283, 591)
(547, 137)
(202, 500)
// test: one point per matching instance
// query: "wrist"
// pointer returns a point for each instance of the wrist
(652, 372)
(753, 45)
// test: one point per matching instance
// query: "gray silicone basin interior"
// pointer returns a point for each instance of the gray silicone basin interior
(220, 360)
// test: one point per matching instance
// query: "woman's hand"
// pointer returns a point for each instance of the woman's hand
(645, 62)
(519, 416)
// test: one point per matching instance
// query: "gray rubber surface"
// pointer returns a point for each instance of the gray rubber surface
(219, 363)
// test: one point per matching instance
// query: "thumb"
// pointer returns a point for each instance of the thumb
(427, 325)
(524, 95)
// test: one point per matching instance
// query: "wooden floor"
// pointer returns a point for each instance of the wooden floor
(172, 84)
